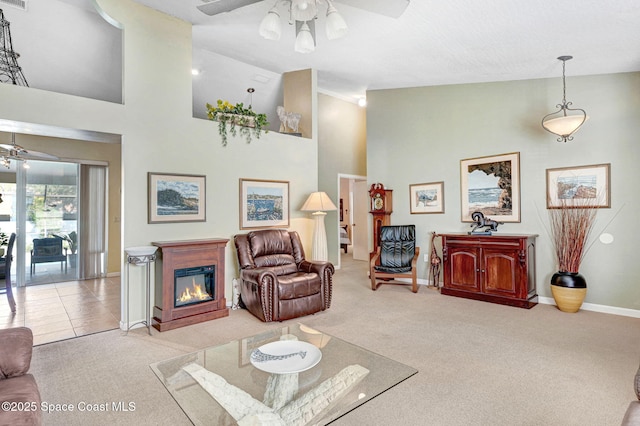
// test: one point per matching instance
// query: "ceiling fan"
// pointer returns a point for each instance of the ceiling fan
(15, 152)
(391, 8)
(303, 13)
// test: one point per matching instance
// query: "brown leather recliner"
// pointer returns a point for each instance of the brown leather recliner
(18, 389)
(277, 282)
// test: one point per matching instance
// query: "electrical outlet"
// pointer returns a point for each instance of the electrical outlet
(426, 257)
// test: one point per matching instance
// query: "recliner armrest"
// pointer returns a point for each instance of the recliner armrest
(258, 275)
(15, 351)
(319, 267)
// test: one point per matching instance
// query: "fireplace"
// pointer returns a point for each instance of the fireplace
(194, 285)
(189, 283)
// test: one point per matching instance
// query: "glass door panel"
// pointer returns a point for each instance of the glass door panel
(51, 222)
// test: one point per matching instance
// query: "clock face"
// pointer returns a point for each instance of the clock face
(378, 204)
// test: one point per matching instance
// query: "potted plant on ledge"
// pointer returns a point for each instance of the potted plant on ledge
(247, 120)
(570, 228)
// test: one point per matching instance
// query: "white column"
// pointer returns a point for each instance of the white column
(320, 251)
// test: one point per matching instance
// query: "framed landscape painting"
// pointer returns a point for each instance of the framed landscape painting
(491, 185)
(264, 204)
(176, 198)
(426, 197)
(579, 186)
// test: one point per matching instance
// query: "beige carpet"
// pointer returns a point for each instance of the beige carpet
(479, 363)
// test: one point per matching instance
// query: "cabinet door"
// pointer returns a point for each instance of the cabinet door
(500, 272)
(464, 264)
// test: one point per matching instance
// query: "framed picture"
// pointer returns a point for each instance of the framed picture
(176, 198)
(264, 204)
(491, 185)
(426, 197)
(579, 186)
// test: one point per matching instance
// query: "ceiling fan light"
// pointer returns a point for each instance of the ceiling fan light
(304, 10)
(270, 27)
(304, 40)
(336, 26)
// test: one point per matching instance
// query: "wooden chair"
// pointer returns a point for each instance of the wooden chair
(396, 257)
(7, 268)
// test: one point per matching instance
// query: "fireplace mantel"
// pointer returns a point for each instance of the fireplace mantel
(181, 254)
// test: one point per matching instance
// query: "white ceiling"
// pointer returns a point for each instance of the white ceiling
(434, 42)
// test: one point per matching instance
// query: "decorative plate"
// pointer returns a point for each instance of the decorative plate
(285, 356)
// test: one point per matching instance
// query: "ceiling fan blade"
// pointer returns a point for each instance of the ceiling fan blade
(215, 7)
(392, 8)
(12, 147)
(36, 155)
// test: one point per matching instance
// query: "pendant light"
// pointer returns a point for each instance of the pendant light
(566, 121)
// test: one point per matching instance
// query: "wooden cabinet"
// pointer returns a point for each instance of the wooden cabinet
(492, 268)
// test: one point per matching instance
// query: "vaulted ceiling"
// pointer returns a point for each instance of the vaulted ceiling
(433, 42)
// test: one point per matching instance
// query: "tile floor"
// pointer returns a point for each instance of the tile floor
(64, 310)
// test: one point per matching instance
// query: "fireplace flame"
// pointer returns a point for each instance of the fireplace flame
(193, 293)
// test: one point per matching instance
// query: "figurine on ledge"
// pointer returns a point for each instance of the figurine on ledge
(481, 222)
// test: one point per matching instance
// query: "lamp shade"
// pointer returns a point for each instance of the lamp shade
(336, 27)
(566, 125)
(304, 40)
(270, 27)
(318, 202)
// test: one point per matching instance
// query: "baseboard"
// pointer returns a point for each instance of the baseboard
(614, 310)
(113, 274)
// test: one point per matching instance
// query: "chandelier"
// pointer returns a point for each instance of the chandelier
(10, 72)
(303, 14)
(566, 121)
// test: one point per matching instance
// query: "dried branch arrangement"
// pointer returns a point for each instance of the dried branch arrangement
(571, 226)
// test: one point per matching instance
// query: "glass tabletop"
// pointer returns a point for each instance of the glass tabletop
(289, 382)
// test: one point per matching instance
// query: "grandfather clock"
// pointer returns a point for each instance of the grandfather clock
(381, 209)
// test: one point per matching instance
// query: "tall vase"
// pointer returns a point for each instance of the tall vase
(569, 290)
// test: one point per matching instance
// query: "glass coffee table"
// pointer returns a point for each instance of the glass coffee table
(291, 375)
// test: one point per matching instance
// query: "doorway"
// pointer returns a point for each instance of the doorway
(353, 217)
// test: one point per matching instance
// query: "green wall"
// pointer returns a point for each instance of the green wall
(419, 135)
(342, 150)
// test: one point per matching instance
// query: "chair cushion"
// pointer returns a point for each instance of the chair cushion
(284, 262)
(300, 284)
(397, 248)
(270, 241)
(402, 270)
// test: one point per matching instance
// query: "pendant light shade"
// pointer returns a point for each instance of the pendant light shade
(336, 27)
(270, 27)
(304, 40)
(566, 121)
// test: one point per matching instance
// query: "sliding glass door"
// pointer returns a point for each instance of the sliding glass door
(50, 227)
(58, 211)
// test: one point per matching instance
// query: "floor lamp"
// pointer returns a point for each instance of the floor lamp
(319, 203)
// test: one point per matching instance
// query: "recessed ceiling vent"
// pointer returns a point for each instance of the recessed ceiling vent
(20, 4)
